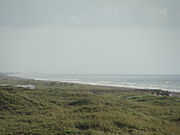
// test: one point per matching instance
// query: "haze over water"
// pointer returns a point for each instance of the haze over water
(90, 36)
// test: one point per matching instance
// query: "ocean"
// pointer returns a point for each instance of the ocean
(164, 82)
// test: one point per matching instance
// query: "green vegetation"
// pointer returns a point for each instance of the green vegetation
(55, 108)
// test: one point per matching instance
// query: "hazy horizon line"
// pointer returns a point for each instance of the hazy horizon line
(90, 73)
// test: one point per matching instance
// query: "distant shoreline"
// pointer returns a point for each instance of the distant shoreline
(94, 83)
(157, 92)
(118, 88)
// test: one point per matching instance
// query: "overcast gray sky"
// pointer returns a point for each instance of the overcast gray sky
(90, 36)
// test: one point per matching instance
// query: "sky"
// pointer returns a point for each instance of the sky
(90, 36)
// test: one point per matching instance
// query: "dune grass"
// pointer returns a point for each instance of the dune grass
(55, 108)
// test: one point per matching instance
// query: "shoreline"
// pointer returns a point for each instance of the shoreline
(154, 91)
